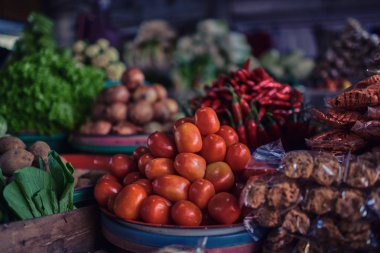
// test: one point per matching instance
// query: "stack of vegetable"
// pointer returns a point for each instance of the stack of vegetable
(253, 102)
(213, 49)
(131, 108)
(187, 179)
(32, 192)
(100, 55)
(43, 89)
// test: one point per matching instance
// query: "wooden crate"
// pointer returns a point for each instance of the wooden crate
(77, 231)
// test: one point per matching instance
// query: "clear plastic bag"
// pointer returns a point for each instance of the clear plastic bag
(319, 203)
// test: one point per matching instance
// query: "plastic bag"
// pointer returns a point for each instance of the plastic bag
(367, 129)
(373, 112)
(319, 203)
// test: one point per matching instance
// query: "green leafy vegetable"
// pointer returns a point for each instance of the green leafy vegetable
(43, 89)
(35, 192)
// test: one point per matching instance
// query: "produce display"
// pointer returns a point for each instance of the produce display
(317, 204)
(212, 50)
(292, 67)
(348, 57)
(354, 117)
(152, 48)
(131, 108)
(43, 90)
(188, 178)
(100, 55)
(258, 106)
(38, 182)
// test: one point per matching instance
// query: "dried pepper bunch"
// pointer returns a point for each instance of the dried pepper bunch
(253, 102)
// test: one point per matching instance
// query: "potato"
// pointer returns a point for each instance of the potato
(117, 93)
(141, 113)
(133, 78)
(39, 149)
(116, 112)
(145, 93)
(15, 159)
(10, 142)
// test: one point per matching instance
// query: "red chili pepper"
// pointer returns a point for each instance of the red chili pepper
(242, 133)
(206, 103)
(251, 126)
(236, 108)
(282, 96)
(262, 135)
(245, 107)
(246, 64)
(231, 120)
(216, 104)
(234, 83)
(275, 102)
(262, 112)
(272, 128)
(250, 83)
(242, 76)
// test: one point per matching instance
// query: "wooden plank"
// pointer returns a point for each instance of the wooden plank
(73, 232)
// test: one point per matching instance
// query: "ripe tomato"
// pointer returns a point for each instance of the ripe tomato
(185, 213)
(207, 121)
(104, 190)
(161, 145)
(200, 192)
(156, 210)
(121, 165)
(139, 151)
(159, 167)
(107, 177)
(224, 208)
(190, 166)
(146, 184)
(172, 187)
(181, 121)
(128, 202)
(238, 156)
(220, 175)
(143, 161)
(188, 138)
(214, 148)
(131, 177)
(228, 134)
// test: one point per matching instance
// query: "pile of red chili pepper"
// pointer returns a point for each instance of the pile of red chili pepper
(253, 102)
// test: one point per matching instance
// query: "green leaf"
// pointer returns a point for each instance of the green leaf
(46, 202)
(16, 201)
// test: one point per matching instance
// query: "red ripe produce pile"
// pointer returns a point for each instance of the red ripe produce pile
(131, 108)
(254, 103)
(354, 119)
(188, 178)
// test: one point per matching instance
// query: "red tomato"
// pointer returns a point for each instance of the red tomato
(161, 145)
(159, 167)
(228, 134)
(200, 192)
(143, 161)
(220, 175)
(214, 148)
(121, 165)
(185, 213)
(131, 177)
(181, 121)
(190, 166)
(139, 151)
(107, 177)
(146, 184)
(156, 210)
(188, 138)
(128, 202)
(238, 156)
(224, 208)
(104, 190)
(207, 121)
(172, 187)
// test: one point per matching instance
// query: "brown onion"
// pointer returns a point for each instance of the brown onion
(86, 128)
(147, 93)
(162, 112)
(152, 127)
(117, 93)
(132, 78)
(172, 105)
(126, 128)
(98, 111)
(160, 91)
(116, 112)
(101, 127)
(141, 112)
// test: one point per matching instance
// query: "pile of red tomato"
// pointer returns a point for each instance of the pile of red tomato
(186, 179)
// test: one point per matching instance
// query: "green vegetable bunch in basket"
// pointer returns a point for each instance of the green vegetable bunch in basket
(44, 90)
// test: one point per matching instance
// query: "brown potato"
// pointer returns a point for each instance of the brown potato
(141, 113)
(15, 159)
(116, 112)
(10, 142)
(40, 149)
